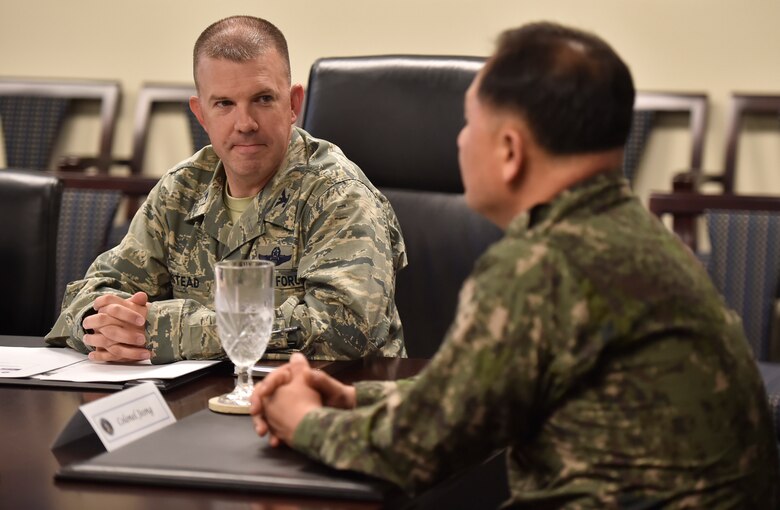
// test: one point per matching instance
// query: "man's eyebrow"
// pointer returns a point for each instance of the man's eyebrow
(215, 98)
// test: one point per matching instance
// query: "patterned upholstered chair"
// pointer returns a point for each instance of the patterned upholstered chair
(742, 106)
(770, 372)
(86, 220)
(153, 97)
(647, 107)
(744, 264)
(32, 113)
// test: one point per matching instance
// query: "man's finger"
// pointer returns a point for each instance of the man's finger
(261, 427)
(106, 350)
(121, 312)
(139, 298)
(123, 335)
(322, 382)
(96, 340)
(114, 330)
(107, 356)
(298, 359)
(129, 352)
(107, 299)
(99, 320)
(272, 381)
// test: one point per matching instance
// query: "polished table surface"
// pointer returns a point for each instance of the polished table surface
(32, 417)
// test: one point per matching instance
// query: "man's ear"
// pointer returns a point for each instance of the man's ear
(512, 145)
(296, 101)
(196, 110)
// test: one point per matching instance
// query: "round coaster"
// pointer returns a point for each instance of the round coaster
(221, 407)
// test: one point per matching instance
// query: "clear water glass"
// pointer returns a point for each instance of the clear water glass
(244, 303)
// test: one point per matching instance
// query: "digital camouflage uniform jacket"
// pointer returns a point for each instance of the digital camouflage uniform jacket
(334, 238)
(591, 344)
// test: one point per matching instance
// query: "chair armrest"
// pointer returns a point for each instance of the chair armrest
(72, 163)
(690, 181)
(132, 185)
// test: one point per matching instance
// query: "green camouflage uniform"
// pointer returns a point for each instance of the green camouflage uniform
(334, 238)
(591, 345)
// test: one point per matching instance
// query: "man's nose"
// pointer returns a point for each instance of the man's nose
(245, 122)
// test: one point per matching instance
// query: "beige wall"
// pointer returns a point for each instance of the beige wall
(714, 46)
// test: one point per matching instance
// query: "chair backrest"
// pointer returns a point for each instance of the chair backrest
(744, 264)
(131, 187)
(647, 107)
(150, 97)
(32, 112)
(744, 256)
(743, 105)
(28, 235)
(398, 117)
(86, 217)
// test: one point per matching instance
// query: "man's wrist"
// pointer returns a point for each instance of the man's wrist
(309, 432)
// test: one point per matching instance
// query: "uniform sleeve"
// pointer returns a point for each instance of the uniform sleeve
(176, 329)
(477, 392)
(371, 392)
(348, 268)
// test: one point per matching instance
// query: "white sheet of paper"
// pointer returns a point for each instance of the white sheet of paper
(261, 371)
(91, 371)
(27, 361)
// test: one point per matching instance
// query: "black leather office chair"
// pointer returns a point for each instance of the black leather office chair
(398, 118)
(30, 203)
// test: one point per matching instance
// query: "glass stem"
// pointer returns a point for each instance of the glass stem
(244, 381)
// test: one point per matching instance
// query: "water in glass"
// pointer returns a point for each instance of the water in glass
(244, 304)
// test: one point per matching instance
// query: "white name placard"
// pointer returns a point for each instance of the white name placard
(120, 418)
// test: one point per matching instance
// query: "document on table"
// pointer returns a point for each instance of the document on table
(27, 361)
(52, 364)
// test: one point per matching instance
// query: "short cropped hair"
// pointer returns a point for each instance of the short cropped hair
(239, 39)
(571, 88)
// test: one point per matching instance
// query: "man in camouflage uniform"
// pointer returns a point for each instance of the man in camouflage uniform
(589, 343)
(262, 190)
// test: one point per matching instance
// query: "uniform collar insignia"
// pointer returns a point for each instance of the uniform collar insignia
(283, 199)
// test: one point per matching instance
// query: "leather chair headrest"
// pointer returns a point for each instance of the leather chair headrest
(396, 116)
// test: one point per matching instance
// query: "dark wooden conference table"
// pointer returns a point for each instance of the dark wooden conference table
(32, 417)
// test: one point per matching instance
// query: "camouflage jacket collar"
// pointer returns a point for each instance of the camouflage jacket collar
(211, 211)
(587, 197)
(210, 206)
